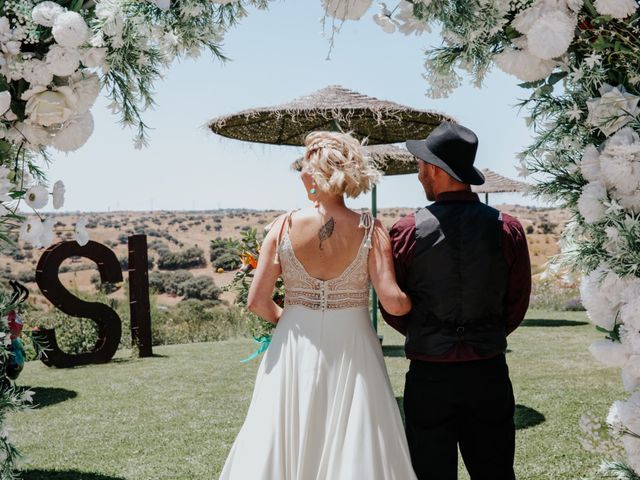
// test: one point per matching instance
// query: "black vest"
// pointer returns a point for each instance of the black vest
(457, 280)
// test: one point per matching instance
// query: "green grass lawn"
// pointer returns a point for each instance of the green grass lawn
(175, 416)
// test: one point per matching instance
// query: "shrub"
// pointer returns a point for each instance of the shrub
(25, 276)
(546, 227)
(198, 321)
(169, 282)
(104, 287)
(74, 335)
(225, 253)
(189, 258)
(200, 288)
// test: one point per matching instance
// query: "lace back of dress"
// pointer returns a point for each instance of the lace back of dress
(348, 290)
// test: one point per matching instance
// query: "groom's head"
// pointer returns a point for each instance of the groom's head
(445, 159)
(434, 180)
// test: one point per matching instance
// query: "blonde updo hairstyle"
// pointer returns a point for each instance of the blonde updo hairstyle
(338, 165)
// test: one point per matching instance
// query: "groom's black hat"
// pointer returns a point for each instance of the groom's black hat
(452, 148)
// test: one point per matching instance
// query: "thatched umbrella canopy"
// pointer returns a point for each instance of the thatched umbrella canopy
(496, 183)
(331, 108)
(390, 160)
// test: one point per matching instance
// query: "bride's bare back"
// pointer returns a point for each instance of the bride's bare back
(341, 241)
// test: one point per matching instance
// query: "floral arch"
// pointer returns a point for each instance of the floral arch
(578, 58)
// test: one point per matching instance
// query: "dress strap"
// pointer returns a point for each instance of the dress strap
(367, 222)
(285, 224)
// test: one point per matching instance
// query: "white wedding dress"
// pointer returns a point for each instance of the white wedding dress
(322, 407)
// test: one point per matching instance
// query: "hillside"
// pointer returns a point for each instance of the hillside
(179, 230)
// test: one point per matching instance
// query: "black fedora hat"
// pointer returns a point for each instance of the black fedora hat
(452, 148)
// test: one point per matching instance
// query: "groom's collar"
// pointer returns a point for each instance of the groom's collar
(458, 196)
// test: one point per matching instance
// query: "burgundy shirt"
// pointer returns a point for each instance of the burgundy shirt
(516, 253)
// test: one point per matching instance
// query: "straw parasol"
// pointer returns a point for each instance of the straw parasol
(331, 108)
(496, 183)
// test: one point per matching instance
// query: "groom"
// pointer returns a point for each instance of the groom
(466, 268)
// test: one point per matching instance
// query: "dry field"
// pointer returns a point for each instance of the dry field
(184, 229)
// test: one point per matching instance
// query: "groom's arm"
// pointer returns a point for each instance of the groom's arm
(516, 252)
(403, 240)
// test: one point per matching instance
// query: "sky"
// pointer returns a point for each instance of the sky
(277, 55)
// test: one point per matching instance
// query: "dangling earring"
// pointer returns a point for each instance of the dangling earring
(313, 191)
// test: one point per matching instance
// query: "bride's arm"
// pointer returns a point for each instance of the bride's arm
(260, 299)
(383, 275)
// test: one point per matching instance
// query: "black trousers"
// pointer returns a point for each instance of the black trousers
(465, 404)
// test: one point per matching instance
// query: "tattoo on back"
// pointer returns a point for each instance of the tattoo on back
(326, 230)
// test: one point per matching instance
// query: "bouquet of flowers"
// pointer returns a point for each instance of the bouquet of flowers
(249, 255)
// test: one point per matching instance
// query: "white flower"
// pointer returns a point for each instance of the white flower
(610, 353)
(524, 65)
(590, 163)
(630, 202)
(620, 161)
(346, 9)
(387, 24)
(86, 87)
(48, 235)
(612, 110)
(593, 60)
(31, 230)
(632, 449)
(62, 61)
(629, 412)
(45, 13)
(408, 23)
(58, 194)
(162, 4)
(523, 170)
(574, 113)
(82, 237)
(37, 197)
(93, 57)
(575, 5)
(590, 203)
(37, 72)
(630, 311)
(75, 134)
(5, 102)
(34, 134)
(27, 396)
(550, 36)
(70, 30)
(601, 294)
(616, 8)
(613, 244)
(528, 17)
(51, 107)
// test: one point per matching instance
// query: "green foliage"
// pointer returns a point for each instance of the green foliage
(74, 335)
(200, 288)
(199, 321)
(190, 258)
(225, 253)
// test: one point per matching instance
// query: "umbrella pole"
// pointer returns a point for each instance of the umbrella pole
(374, 296)
(486, 198)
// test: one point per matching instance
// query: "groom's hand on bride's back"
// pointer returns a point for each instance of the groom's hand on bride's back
(382, 273)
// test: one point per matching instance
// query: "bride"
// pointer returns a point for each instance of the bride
(322, 407)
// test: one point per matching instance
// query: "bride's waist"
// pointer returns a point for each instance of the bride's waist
(327, 299)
